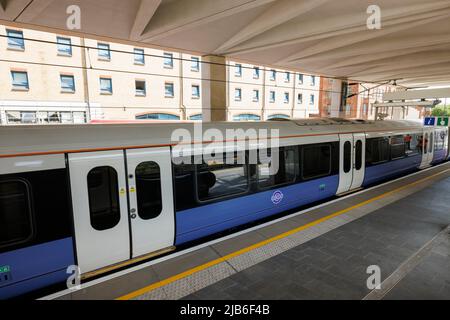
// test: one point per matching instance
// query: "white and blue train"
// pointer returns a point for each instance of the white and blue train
(104, 196)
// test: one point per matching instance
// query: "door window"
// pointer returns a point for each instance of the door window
(148, 190)
(358, 155)
(347, 156)
(103, 192)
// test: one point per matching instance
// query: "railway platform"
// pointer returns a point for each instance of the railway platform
(398, 230)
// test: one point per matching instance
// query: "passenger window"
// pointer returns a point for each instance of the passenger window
(148, 190)
(316, 161)
(347, 156)
(358, 155)
(103, 192)
(16, 225)
(222, 176)
(397, 147)
(425, 144)
(277, 172)
(377, 150)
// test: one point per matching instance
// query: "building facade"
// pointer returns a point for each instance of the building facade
(51, 78)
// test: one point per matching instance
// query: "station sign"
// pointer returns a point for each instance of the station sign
(436, 121)
(429, 121)
(442, 121)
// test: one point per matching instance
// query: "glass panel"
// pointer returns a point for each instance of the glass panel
(218, 178)
(64, 46)
(195, 64)
(168, 60)
(15, 213)
(273, 175)
(67, 83)
(397, 147)
(103, 51)
(169, 89)
(139, 56)
(425, 143)
(358, 155)
(19, 79)
(316, 161)
(105, 85)
(140, 88)
(103, 191)
(148, 190)
(15, 39)
(347, 156)
(430, 144)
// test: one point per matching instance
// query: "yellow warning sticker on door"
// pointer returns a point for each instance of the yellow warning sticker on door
(132, 189)
(122, 191)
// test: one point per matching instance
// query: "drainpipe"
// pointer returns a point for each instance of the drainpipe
(181, 100)
(85, 79)
(263, 94)
(293, 98)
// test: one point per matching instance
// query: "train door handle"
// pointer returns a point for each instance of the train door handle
(133, 216)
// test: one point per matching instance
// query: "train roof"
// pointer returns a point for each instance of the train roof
(41, 139)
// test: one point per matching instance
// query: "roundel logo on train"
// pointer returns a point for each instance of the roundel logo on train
(277, 197)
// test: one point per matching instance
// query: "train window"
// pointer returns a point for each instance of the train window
(425, 144)
(277, 172)
(377, 151)
(221, 176)
(439, 141)
(103, 192)
(148, 190)
(397, 147)
(316, 161)
(358, 155)
(184, 173)
(16, 225)
(347, 156)
(411, 144)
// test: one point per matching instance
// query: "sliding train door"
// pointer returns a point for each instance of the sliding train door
(427, 147)
(351, 161)
(122, 205)
(100, 210)
(151, 200)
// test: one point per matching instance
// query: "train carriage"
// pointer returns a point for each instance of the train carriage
(102, 196)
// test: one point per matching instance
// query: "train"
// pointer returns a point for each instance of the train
(103, 196)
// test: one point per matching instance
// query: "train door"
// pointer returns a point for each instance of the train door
(151, 200)
(351, 161)
(122, 207)
(427, 147)
(100, 209)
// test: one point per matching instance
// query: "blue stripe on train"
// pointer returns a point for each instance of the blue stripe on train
(36, 267)
(391, 169)
(439, 156)
(208, 219)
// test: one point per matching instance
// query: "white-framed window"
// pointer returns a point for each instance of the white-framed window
(168, 60)
(272, 96)
(272, 75)
(168, 90)
(104, 52)
(313, 80)
(255, 95)
(300, 78)
(300, 98)
(106, 85)
(238, 70)
(141, 88)
(255, 72)
(195, 64)
(139, 56)
(311, 99)
(237, 94)
(20, 80)
(67, 83)
(286, 97)
(287, 76)
(195, 91)
(64, 46)
(15, 39)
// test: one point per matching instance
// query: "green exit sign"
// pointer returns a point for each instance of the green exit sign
(5, 269)
(442, 121)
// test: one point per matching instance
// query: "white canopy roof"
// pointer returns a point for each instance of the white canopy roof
(326, 37)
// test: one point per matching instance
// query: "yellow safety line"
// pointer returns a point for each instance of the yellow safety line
(264, 242)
